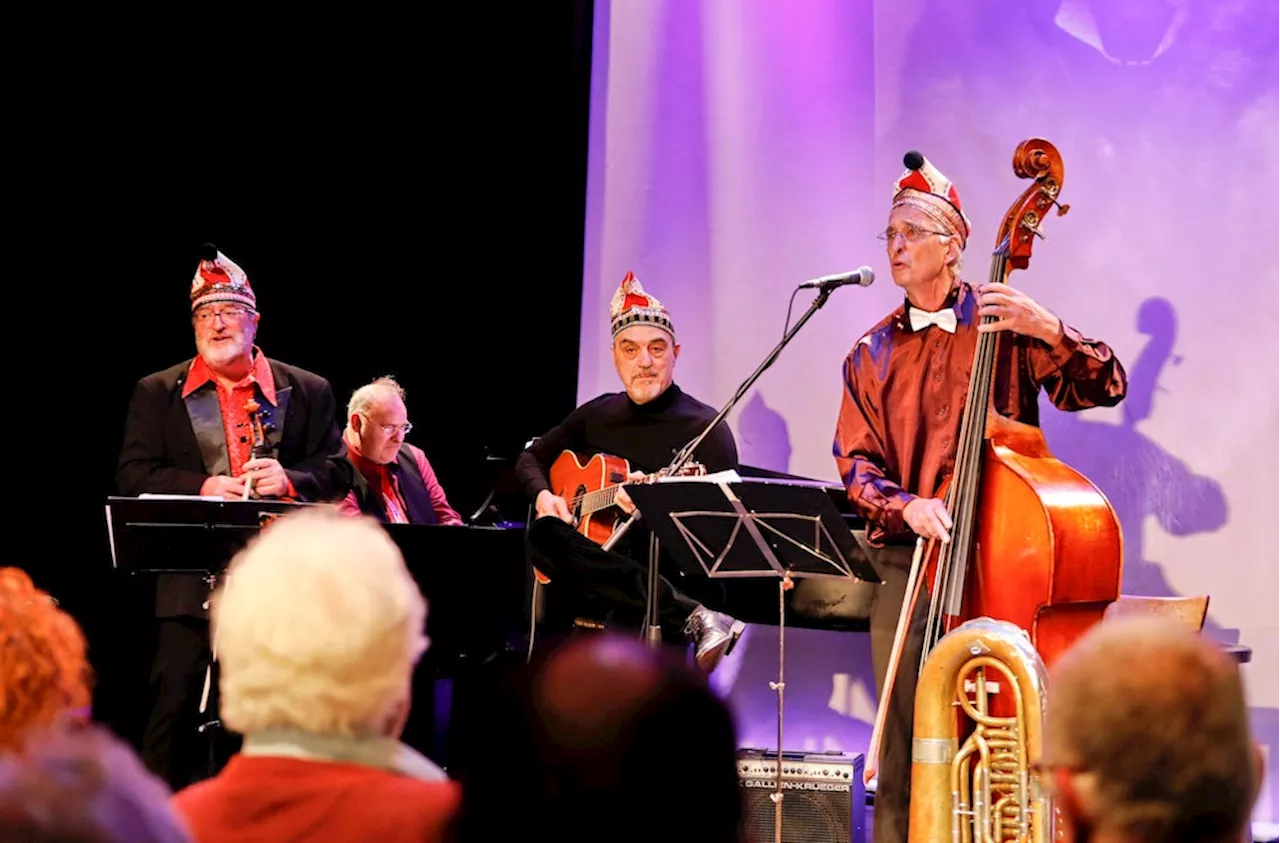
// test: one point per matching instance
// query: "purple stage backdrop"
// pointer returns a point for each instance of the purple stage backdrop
(739, 148)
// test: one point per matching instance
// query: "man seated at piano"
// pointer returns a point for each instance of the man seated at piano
(229, 423)
(392, 480)
(623, 436)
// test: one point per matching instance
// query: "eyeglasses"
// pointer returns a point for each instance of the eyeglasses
(911, 232)
(391, 429)
(228, 314)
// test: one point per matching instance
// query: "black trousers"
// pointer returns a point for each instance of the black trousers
(173, 746)
(893, 790)
(569, 558)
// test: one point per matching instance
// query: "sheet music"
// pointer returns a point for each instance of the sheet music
(111, 537)
(152, 496)
(729, 476)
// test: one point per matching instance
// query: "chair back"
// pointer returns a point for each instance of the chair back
(1190, 611)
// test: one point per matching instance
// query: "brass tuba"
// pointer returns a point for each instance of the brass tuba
(983, 678)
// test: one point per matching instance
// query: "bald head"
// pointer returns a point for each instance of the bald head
(607, 734)
(613, 714)
(375, 393)
(378, 420)
(591, 690)
(1152, 718)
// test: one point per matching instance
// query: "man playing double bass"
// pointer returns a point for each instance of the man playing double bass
(904, 391)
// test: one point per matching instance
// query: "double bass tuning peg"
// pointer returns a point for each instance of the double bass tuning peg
(1031, 223)
(1050, 192)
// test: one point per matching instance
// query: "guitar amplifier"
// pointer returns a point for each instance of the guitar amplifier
(823, 797)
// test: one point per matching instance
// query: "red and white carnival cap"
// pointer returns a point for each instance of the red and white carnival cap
(923, 187)
(631, 305)
(218, 278)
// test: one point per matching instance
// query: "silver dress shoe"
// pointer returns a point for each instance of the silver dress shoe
(714, 636)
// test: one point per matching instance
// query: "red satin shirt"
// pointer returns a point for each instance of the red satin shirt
(904, 398)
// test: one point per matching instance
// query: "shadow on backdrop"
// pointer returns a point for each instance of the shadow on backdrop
(1138, 476)
(830, 689)
(763, 438)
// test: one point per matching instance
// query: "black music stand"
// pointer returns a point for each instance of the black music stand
(179, 534)
(735, 528)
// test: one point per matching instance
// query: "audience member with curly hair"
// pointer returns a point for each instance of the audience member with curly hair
(44, 671)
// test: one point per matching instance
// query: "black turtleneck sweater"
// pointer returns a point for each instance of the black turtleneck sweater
(646, 435)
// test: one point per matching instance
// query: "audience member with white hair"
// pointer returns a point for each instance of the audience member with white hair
(318, 625)
(1147, 737)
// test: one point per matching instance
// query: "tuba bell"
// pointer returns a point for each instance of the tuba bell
(979, 723)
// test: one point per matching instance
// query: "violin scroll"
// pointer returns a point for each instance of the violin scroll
(1037, 159)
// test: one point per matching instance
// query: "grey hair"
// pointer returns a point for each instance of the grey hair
(367, 394)
(956, 264)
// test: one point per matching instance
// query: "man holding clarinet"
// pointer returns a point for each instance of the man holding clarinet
(229, 423)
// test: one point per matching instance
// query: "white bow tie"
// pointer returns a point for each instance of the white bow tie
(944, 319)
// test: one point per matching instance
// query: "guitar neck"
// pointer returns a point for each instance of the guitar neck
(608, 496)
(599, 499)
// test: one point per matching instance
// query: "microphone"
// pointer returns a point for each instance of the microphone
(862, 276)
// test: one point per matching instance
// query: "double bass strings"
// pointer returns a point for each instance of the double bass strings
(962, 495)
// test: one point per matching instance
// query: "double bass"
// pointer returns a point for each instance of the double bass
(1034, 544)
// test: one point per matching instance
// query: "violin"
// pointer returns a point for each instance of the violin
(261, 449)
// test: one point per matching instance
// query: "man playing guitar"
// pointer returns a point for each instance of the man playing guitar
(626, 436)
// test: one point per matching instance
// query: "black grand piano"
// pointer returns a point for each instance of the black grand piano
(477, 581)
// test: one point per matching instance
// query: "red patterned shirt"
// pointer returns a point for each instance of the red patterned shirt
(232, 401)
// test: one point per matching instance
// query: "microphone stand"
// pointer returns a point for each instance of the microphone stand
(686, 453)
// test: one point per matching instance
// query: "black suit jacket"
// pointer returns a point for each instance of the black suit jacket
(160, 455)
